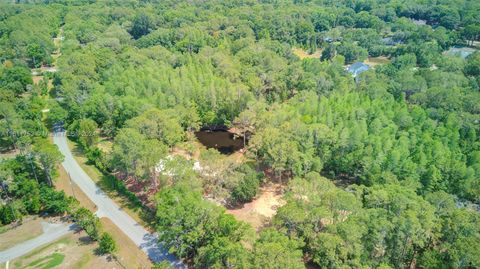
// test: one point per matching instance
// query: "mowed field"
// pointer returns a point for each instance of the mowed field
(73, 251)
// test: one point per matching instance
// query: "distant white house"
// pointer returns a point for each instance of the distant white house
(161, 168)
(357, 68)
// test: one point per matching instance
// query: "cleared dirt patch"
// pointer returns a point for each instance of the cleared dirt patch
(302, 54)
(374, 61)
(30, 228)
(37, 79)
(262, 208)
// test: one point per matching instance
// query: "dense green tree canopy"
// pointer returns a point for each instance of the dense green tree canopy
(379, 171)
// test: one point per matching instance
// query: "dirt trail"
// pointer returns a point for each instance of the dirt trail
(37, 73)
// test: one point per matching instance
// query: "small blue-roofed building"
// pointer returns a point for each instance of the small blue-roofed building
(357, 68)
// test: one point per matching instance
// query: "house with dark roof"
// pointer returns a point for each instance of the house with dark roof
(357, 68)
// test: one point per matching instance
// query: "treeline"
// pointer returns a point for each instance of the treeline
(26, 33)
(26, 190)
(383, 226)
(359, 139)
(409, 123)
(200, 231)
(27, 176)
(229, 68)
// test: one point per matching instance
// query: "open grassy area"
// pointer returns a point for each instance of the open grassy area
(128, 254)
(71, 251)
(48, 262)
(63, 182)
(12, 235)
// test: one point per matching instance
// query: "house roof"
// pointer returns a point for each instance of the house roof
(389, 41)
(358, 68)
(463, 52)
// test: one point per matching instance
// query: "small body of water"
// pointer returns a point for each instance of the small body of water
(221, 140)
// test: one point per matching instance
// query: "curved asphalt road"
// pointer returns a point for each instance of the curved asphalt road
(107, 208)
(51, 232)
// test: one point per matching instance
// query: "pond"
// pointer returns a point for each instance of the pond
(221, 140)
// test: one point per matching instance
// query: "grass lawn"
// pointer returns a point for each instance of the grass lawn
(71, 251)
(62, 182)
(48, 262)
(128, 253)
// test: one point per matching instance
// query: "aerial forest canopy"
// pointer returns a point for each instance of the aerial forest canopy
(380, 169)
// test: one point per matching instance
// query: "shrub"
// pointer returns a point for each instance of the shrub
(107, 244)
(88, 221)
(247, 189)
(54, 202)
(7, 214)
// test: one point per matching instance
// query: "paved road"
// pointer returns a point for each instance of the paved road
(51, 232)
(107, 208)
